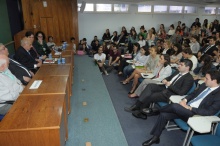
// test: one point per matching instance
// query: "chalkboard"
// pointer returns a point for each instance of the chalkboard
(5, 32)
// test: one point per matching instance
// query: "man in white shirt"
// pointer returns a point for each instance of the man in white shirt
(11, 87)
(99, 59)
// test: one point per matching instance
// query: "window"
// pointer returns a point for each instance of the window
(160, 9)
(210, 10)
(176, 9)
(89, 7)
(190, 10)
(120, 7)
(218, 10)
(103, 7)
(79, 6)
(144, 8)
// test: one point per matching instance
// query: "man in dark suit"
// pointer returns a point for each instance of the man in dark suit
(17, 69)
(205, 102)
(23, 56)
(177, 84)
(210, 49)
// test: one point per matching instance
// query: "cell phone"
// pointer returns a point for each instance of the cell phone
(145, 75)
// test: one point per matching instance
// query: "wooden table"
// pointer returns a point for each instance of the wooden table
(51, 85)
(35, 120)
(57, 70)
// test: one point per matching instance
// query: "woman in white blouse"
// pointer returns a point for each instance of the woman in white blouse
(176, 54)
(140, 59)
(141, 41)
(162, 70)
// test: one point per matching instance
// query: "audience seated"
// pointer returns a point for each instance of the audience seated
(196, 23)
(33, 51)
(94, 40)
(150, 66)
(194, 45)
(166, 48)
(17, 69)
(121, 38)
(150, 37)
(171, 30)
(132, 39)
(124, 31)
(99, 59)
(23, 56)
(176, 53)
(162, 70)
(72, 40)
(40, 44)
(139, 60)
(141, 41)
(114, 58)
(187, 54)
(178, 83)
(203, 67)
(50, 42)
(11, 87)
(123, 60)
(210, 49)
(176, 37)
(114, 37)
(205, 102)
(106, 35)
(142, 32)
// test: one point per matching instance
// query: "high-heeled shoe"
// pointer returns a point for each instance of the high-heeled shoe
(124, 82)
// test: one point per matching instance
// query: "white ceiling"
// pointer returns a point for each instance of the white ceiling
(189, 2)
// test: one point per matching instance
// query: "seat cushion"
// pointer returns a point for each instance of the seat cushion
(182, 124)
(205, 140)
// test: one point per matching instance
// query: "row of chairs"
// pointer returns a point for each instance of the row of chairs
(212, 139)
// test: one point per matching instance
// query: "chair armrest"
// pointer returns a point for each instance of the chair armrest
(202, 124)
(176, 98)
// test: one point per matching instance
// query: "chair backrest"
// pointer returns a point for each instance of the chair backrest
(192, 89)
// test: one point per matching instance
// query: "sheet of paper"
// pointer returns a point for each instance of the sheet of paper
(35, 84)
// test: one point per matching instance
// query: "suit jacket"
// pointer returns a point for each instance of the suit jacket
(181, 86)
(209, 51)
(19, 70)
(23, 57)
(210, 105)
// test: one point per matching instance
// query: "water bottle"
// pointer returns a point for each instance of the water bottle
(50, 56)
(58, 61)
(63, 60)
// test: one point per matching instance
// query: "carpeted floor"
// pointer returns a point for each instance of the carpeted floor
(93, 118)
(136, 130)
(103, 121)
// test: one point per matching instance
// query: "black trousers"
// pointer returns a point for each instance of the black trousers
(169, 112)
(152, 93)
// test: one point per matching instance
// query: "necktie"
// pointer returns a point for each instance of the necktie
(200, 96)
(158, 74)
(176, 79)
(35, 51)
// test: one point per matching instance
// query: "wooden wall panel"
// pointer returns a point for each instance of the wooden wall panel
(61, 14)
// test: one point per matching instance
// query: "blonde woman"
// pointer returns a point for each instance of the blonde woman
(162, 70)
(149, 67)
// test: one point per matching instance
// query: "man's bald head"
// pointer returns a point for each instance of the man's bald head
(26, 43)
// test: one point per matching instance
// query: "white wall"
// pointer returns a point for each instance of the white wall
(91, 24)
